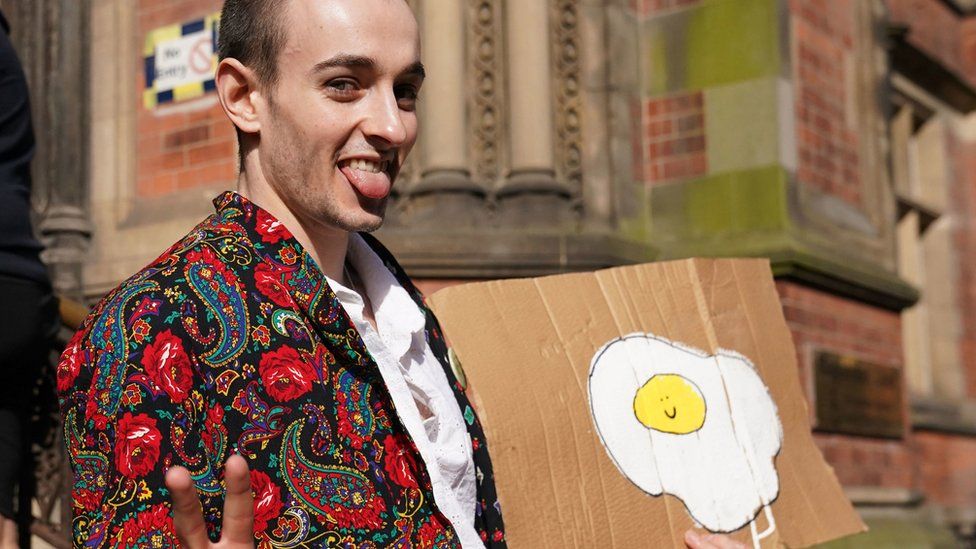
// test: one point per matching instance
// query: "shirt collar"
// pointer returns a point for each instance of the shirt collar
(398, 319)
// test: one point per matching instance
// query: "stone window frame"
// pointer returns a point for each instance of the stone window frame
(931, 328)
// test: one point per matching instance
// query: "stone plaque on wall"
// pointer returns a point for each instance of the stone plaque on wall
(856, 397)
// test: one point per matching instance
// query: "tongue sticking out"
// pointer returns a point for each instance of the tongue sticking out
(370, 185)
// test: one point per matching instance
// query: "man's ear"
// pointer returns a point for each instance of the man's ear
(238, 92)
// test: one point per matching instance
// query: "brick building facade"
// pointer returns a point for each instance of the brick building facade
(834, 137)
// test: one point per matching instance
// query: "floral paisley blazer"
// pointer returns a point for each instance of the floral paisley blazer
(232, 341)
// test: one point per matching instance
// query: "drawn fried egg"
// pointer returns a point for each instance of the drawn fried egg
(700, 427)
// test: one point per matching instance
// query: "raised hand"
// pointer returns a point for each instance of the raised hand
(695, 540)
(237, 531)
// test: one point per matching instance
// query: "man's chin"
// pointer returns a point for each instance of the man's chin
(362, 223)
(367, 217)
(372, 215)
(369, 227)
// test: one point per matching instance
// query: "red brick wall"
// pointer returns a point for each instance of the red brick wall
(946, 468)
(945, 464)
(963, 204)
(967, 54)
(869, 462)
(827, 141)
(939, 32)
(673, 131)
(820, 320)
(182, 145)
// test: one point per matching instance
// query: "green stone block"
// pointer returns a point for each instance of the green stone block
(718, 42)
(742, 125)
(742, 202)
(746, 213)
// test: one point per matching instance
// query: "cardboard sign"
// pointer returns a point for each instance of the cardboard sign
(627, 405)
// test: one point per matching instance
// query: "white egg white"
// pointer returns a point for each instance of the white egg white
(724, 472)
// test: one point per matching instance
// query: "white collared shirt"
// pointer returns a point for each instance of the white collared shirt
(415, 378)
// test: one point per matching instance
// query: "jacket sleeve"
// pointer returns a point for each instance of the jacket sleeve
(130, 390)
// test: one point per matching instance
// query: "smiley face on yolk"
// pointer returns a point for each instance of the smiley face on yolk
(670, 403)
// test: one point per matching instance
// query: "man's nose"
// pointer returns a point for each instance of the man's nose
(384, 121)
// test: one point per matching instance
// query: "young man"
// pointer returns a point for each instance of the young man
(277, 337)
(278, 330)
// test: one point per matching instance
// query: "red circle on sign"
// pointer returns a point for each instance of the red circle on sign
(200, 58)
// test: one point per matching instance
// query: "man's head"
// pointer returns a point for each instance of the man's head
(323, 95)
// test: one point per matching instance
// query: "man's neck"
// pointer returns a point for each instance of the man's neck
(326, 245)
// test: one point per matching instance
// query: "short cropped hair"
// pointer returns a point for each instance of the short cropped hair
(253, 32)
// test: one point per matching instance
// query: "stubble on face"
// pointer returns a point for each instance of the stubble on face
(293, 177)
(308, 131)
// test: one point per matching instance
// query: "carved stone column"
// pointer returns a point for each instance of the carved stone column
(445, 163)
(531, 192)
(445, 190)
(541, 143)
(52, 38)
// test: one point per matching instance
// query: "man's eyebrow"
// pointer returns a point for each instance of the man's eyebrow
(345, 60)
(416, 69)
(363, 62)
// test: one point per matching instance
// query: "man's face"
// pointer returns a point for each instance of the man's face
(341, 117)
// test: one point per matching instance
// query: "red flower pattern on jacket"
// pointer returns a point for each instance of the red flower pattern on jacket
(433, 535)
(70, 364)
(86, 499)
(270, 229)
(136, 445)
(151, 528)
(168, 366)
(213, 429)
(285, 375)
(269, 284)
(217, 267)
(267, 500)
(398, 462)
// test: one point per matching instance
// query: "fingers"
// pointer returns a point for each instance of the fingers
(239, 505)
(187, 512)
(695, 540)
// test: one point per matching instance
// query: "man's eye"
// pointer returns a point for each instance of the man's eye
(342, 87)
(406, 97)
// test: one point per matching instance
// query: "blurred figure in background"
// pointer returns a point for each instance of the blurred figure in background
(28, 310)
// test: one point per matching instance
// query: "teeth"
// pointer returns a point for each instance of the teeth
(367, 165)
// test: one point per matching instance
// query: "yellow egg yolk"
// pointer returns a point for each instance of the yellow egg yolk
(670, 403)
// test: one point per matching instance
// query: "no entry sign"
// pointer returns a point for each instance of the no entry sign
(180, 61)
